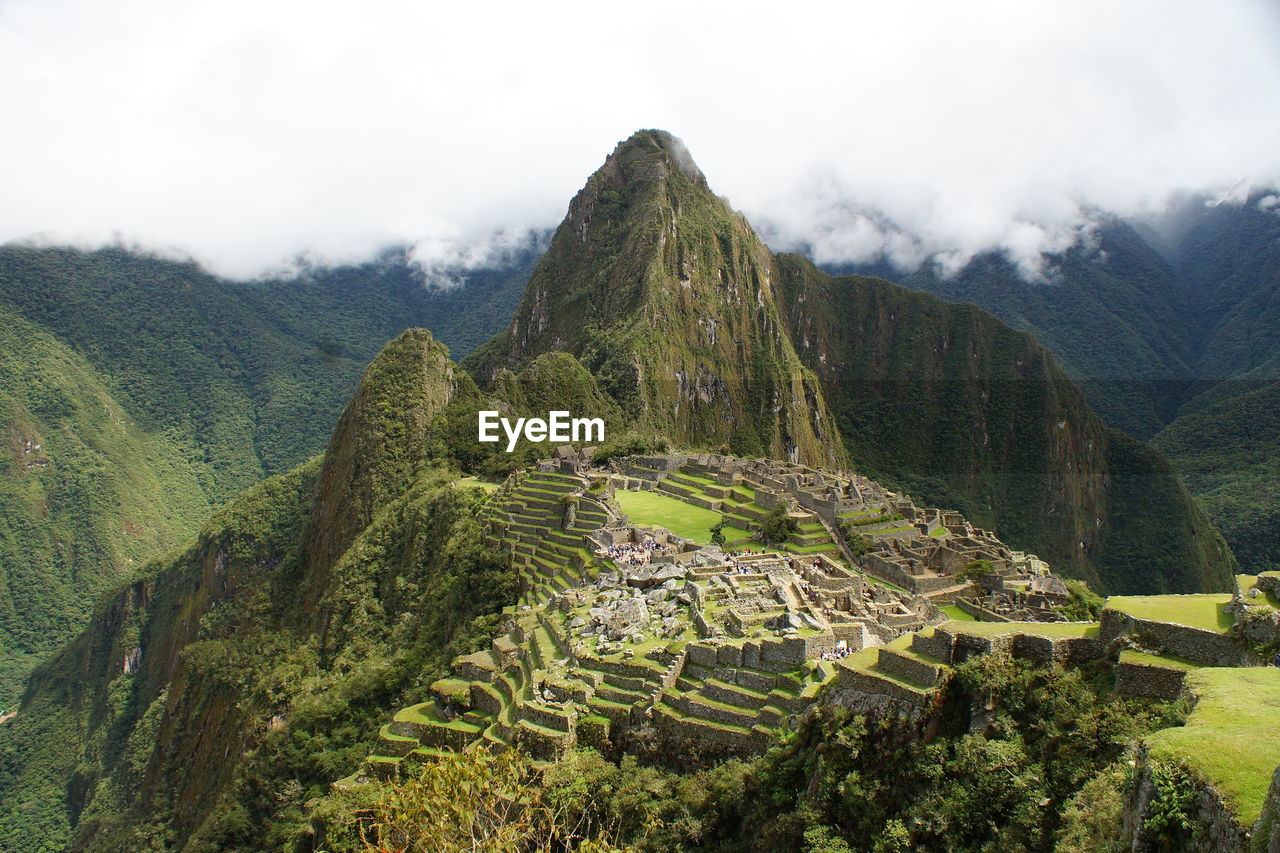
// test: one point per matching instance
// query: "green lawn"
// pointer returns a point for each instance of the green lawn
(1248, 582)
(901, 528)
(812, 549)
(956, 614)
(1230, 737)
(474, 483)
(658, 510)
(1168, 661)
(1196, 611)
(699, 479)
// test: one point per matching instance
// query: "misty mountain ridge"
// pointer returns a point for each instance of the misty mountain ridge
(1165, 325)
(1148, 315)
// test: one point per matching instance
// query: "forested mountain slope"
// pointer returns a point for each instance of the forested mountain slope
(1156, 323)
(954, 406)
(140, 393)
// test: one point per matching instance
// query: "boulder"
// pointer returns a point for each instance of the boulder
(629, 615)
(668, 573)
(672, 627)
(657, 596)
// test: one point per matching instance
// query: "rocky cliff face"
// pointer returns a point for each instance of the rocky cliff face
(122, 716)
(949, 403)
(671, 299)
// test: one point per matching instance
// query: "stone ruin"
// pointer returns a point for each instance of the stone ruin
(917, 550)
(629, 632)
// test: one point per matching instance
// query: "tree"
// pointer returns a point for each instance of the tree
(777, 527)
(975, 569)
(466, 801)
(717, 533)
(859, 544)
(1085, 605)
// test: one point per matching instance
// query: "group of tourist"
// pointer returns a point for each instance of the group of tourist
(836, 654)
(638, 553)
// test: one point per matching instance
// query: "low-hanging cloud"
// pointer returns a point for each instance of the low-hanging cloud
(250, 133)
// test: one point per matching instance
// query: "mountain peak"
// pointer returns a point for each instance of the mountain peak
(669, 297)
(649, 155)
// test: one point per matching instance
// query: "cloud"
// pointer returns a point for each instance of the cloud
(249, 133)
(445, 259)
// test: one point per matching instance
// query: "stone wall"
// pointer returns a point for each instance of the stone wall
(690, 735)
(1078, 650)
(550, 718)
(851, 632)
(1197, 644)
(484, 701)
(593, 733)
(1266, 832)
(627, 670)
(849, 683)
(702, 654)
(889, 571)
(907, 668)
(935, 645)
(795, 650)
(1148, 681)
(1215, 827)
(770, 499)
(977, 611)
(954, 647)
(749, 678)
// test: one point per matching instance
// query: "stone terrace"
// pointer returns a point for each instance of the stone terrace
(623, 627)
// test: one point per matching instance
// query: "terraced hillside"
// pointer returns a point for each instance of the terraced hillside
(691, 661)
(630, 628)
(632, 634)
(541, 518)
(536, 687)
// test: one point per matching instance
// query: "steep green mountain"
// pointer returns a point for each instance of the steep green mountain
(670, 299)
(353, 310)
(1115, 314)
(267, 652)
(960, 410)
(249, 374)
(694, 328)
(1229, 454)
(137, 394)
(1155, 324)
(1230, 258)
(211, 702)
(187, 356)
(215, 695)
(87, 494)
(1226, 437)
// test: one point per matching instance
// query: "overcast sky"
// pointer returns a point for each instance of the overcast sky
(246, 133)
